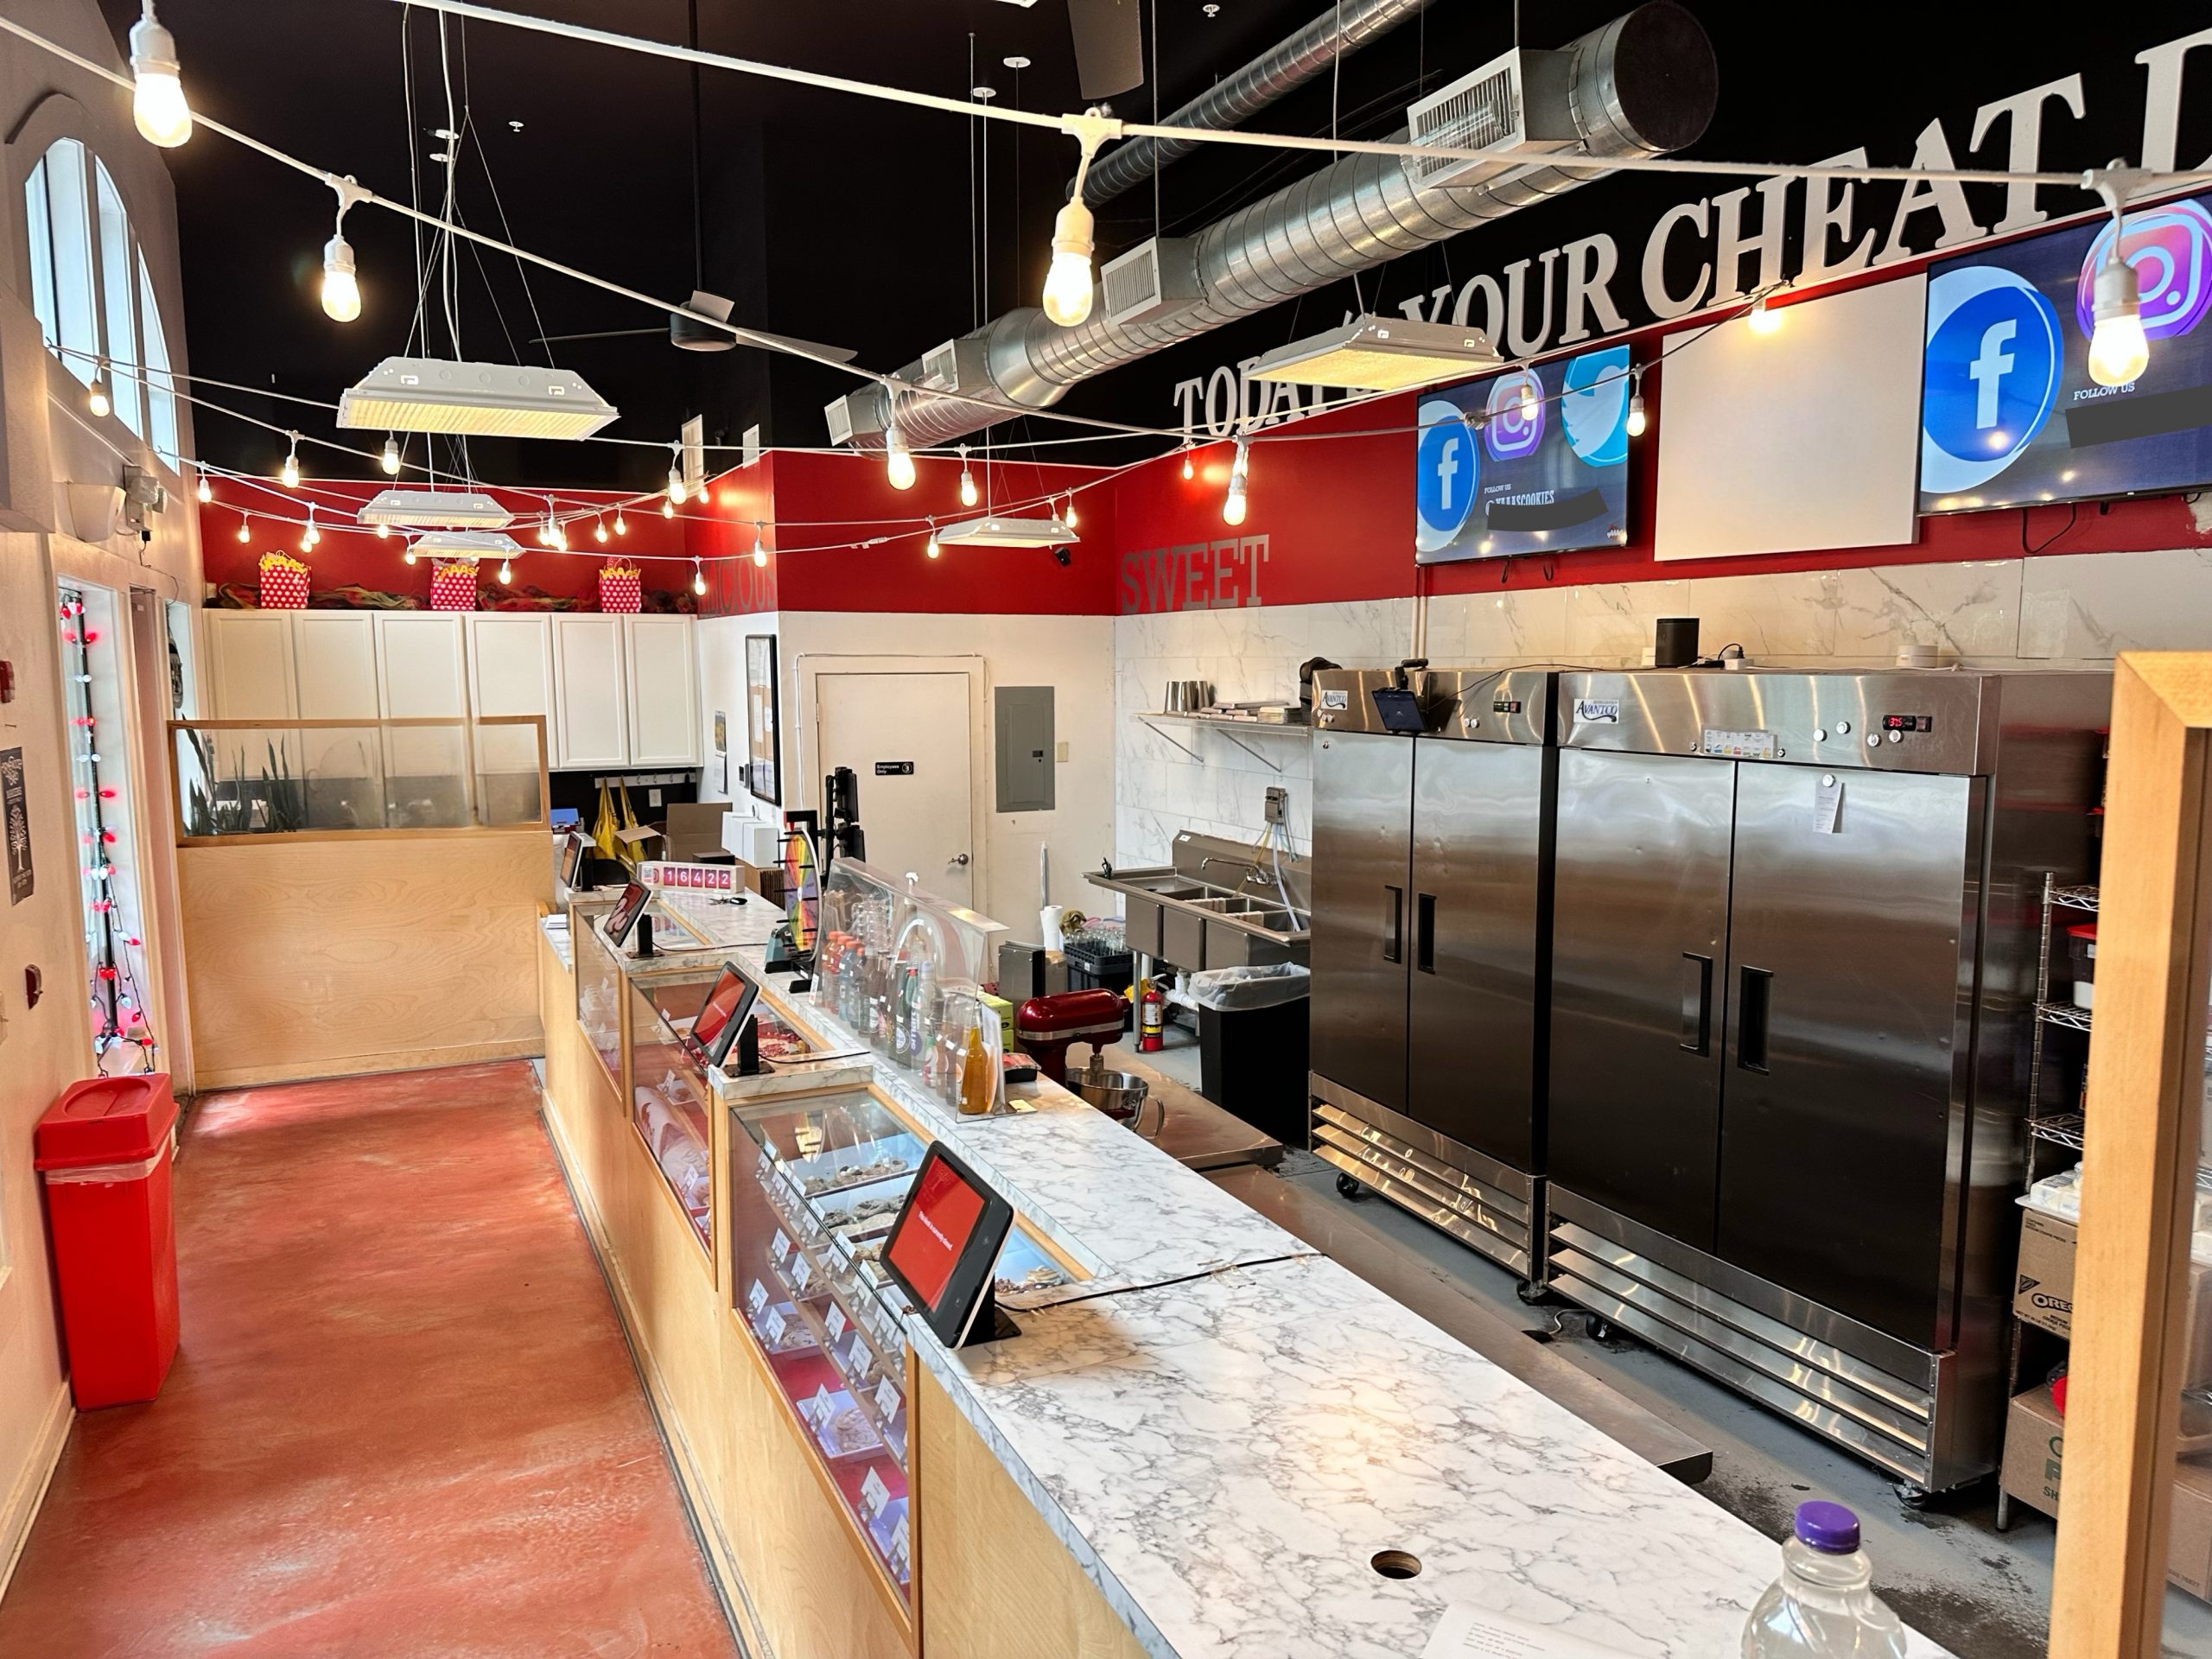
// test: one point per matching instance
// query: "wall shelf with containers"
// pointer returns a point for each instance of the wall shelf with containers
(903, 969)
(814, 1184)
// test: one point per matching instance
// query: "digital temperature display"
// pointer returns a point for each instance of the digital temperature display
(1908, 723)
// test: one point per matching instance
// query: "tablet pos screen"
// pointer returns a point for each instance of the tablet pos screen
(728, 1007)
(624, 917)
(572, 860)
(945, 1243)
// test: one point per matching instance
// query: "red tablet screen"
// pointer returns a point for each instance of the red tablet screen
(927, 1247)
(722, 1003)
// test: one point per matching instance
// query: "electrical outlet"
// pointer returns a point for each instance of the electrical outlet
(1060, 752)
(1278, 807)
(653, 797)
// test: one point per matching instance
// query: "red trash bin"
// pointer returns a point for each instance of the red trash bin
(103, 1149)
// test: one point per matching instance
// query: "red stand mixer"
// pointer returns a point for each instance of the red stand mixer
(1045, 1026)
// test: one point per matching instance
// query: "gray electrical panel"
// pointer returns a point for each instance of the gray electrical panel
(1023, 718)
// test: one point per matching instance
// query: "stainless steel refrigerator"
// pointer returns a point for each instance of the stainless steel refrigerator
(1792, 976)
(1431, 893)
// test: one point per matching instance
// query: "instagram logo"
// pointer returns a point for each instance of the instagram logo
(2170, 248)
(1516, 415)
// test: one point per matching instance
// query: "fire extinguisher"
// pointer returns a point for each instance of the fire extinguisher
(1153, 1018)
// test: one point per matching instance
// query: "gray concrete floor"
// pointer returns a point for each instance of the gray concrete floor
(1945, 1567)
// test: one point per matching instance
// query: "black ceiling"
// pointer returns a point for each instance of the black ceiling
(845, 220)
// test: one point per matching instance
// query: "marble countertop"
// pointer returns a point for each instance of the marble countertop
(1224, 1427)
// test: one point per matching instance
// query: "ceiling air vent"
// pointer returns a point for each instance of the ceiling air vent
(1152, 279)
(840, 416)
(956, 366)
(1516, 102)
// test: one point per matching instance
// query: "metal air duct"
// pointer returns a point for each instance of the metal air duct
(1644, 84)
(1289, 64)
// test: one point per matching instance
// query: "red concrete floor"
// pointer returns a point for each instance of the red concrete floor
(404, 1421)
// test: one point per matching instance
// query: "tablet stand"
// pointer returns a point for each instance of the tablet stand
(990, 1323)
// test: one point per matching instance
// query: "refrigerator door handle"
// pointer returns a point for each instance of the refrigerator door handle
(1697, 1003)
(1425, 933)
(1757, 995)
(1394, 926)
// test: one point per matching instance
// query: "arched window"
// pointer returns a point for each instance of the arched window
(92, 291)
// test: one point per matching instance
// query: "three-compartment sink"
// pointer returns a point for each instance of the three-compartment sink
(1171, 916)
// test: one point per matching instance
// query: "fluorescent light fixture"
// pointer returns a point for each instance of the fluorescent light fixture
(465, 544)
(435, 509)
(483, 400)
(1000, 530)
(1380, 354)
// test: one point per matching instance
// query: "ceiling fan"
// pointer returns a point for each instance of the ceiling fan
(1108, 45)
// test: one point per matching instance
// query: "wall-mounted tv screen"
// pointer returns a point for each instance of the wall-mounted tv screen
(1531, 460)
(2010, 416)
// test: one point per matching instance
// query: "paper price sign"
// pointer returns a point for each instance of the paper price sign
(803, 1272)
(773, 1327)
(822, 1408)
(780, 1246)
(756, 1298)
(899, 1545)
(836, 1320)
(886, 1399)
(873, 1493)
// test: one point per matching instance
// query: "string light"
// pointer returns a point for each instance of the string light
(290, 476)
(698, 577)
(621, 524)
(389, 460)
(410, 552)
(311, 536)
(759, 550)
(1190, 462)
(157, 100)
(933, 550)
(96, 398)
(667, 509)
(1069, 517)
(1233, 509)
(1637, 419)
(898, 460)
(967, 480)
(384, 532)
(507, 572)
(676, 491)
(1763, 318)
(2119, 350)
(599, 530)
(206, 491)
(244, 535)
(1068, 284)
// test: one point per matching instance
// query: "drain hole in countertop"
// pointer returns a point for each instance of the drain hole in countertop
(1395, 1564)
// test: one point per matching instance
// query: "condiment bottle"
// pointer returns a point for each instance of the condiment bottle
(975, 1089)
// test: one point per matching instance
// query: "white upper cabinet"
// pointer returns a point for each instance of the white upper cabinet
(511, 662)
(419, 657)
(591, 704)
(335, 654)
(663, 685)
(252, 676)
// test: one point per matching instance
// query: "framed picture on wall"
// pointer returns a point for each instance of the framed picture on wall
(761, 717)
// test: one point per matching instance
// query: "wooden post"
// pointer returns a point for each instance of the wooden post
(2146, 1086)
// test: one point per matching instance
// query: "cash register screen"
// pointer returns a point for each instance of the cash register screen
(945, 1242)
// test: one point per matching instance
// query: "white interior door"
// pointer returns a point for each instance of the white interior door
(906, 738)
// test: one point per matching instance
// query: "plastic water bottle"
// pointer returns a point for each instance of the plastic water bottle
(1823, 1607)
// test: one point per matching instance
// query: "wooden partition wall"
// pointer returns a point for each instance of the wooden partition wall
(2146, 1098)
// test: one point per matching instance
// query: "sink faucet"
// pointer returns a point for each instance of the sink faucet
(1282, 888)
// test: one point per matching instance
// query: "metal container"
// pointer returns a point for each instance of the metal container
(1118, 1094)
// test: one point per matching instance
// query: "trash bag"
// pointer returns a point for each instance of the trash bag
(1238, 991)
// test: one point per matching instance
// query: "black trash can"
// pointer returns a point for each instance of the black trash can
(1252, 1060)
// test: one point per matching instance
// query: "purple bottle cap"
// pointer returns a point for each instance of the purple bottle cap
(1829, 1528)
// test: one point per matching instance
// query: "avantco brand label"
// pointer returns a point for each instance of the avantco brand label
(1598, 711)
(1335, 698)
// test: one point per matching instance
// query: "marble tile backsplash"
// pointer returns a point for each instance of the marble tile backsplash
(2070, 611)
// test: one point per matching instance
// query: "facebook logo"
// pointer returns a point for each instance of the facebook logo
(1994, 359)
(1445, 470)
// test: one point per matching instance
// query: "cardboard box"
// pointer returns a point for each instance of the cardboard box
(2043, 1290)
(2035, 1448)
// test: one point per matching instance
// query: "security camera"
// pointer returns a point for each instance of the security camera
(1062, 557)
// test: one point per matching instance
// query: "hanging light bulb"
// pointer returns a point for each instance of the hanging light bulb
(410, 553)
(667, 508)
(244, 535)
(341, 289)
(676, 490)
(291, 476)
(1068, 284)
(1232, 510)
(506, 571)
(1069, 517)
(967, 480)
(760, 549)
(1637, 419)
(207, 492)
(389, 460)
(933, 550)
(1528, 399)
(698, 578)
(96, 398)
(157, 102)
(898, 460)
(384, 532)
(621, 524)
(1190, 462)
(2118, 349)
(1763, 317)
(599, 530)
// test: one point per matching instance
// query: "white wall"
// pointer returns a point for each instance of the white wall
(1074, 655)
(2071, 611)
(721, 691)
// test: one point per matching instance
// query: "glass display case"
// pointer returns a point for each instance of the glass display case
(899, 965)
(599, 983)
(669, 1095)
(813, 1186)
